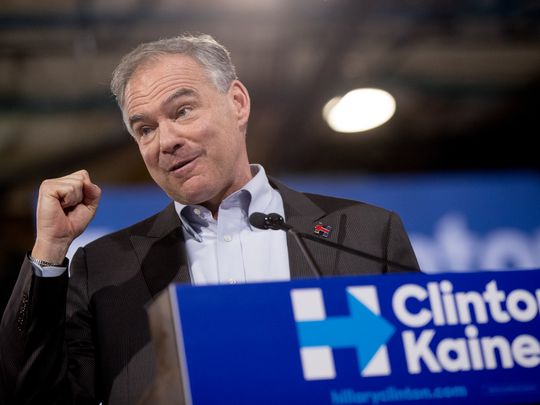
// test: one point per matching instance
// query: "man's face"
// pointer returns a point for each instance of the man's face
(191, 136)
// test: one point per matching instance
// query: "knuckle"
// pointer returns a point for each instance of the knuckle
(46, 185)
(82, 174)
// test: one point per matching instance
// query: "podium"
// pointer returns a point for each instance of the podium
(471, 338)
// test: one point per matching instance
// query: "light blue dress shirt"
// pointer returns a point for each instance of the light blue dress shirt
(228, 250)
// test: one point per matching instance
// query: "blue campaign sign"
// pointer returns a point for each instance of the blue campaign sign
(411, 338)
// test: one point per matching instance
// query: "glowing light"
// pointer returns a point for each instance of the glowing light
(359, 110)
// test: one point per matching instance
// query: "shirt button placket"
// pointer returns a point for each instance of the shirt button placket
(230, 252)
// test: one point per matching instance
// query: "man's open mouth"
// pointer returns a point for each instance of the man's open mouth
(179, 165)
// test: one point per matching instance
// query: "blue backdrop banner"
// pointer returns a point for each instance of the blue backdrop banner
(457, 222)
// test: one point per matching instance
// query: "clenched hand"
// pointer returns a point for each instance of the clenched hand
(66, 206)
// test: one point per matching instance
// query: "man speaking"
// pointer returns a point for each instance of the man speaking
(83, 337)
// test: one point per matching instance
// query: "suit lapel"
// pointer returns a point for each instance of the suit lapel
(161, 251)
(304, 215)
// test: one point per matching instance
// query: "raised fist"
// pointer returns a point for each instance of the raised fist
(66, 206)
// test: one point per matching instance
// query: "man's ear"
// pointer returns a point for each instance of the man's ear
(241, 102)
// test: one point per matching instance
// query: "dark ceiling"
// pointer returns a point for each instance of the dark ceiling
(465, 74)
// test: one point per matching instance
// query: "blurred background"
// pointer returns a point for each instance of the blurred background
(457, 159)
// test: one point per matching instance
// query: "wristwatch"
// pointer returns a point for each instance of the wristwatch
(43, 263)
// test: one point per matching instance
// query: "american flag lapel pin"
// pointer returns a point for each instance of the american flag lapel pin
(322, 230)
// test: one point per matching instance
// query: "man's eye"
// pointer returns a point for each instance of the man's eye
(145, 131)
(182, 112)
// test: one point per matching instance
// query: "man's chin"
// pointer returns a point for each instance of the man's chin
(190, 195)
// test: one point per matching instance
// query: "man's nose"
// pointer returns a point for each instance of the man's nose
(170, 137)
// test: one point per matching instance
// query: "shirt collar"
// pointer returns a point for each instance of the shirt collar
(254, 196)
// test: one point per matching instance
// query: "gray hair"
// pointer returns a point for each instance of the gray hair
(204, 49)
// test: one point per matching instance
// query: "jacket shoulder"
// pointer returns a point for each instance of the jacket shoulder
(153, 225)
(331, 204)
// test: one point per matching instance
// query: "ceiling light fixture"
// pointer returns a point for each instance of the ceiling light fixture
(359, 110)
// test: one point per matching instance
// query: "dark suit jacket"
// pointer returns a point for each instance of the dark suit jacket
(97, 346)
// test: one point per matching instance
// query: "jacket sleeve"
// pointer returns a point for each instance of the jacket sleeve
(399, 248)
(33, 360)
(80, 341)
(44, 354)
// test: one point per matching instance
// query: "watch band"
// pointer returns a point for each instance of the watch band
(43, 263)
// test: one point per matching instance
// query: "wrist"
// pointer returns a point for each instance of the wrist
(43, 263)
(49, 252)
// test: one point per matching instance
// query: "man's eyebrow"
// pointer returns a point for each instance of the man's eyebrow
(177, 94)
(135, 118)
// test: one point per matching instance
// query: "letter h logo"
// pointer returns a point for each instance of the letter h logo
(363, 329)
